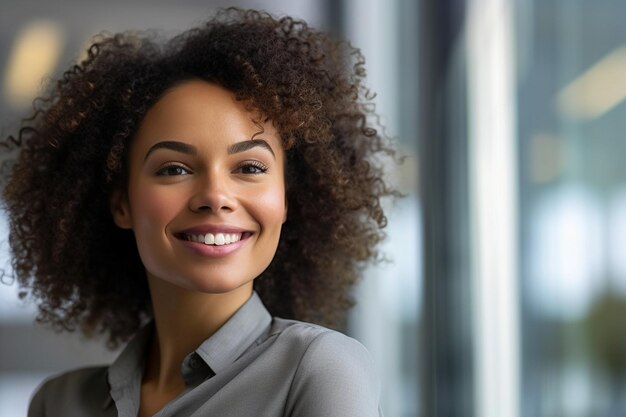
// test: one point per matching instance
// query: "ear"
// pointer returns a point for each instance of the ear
(120, 209)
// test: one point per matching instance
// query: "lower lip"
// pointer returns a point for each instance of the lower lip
(214, 251)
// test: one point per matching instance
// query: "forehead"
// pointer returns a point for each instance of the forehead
(197, 92)
(198, 109)
(197, 99)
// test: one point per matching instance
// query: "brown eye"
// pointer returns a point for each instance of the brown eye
(252, 168)
(172, 170)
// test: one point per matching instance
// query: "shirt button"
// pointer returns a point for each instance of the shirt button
(195, 362)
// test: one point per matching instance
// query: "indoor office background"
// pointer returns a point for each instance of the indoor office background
(505, 291)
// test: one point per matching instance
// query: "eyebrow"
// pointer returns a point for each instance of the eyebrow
(174, 146)
(191, 150)
(249, 144)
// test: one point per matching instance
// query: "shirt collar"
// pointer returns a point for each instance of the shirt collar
(241, 332)
(124, 374)
(233, 339)
(131, 359)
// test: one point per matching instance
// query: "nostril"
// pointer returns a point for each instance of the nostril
(200, 208)
(206, 207)
(207, 201)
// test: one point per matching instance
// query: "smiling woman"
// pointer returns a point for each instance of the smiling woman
(206, 184)
(203, 195)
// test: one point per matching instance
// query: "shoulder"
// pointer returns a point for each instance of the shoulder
(320, 346)
(71, 393)
(335, 372)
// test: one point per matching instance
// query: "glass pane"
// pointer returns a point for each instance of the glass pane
(571, 64)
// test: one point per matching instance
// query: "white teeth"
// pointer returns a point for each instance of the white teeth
(218, 239)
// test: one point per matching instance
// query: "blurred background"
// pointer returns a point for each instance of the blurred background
(505, 295)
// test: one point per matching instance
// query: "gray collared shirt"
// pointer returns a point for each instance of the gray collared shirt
(254, 365)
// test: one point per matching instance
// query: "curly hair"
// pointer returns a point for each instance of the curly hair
(72, 154)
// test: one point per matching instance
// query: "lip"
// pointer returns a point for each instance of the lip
(212, 228)
(213, 251)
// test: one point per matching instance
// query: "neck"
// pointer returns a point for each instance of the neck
(183, 320)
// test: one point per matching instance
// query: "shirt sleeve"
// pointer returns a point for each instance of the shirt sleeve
(83, 392)
(36, 407)
(335, 378)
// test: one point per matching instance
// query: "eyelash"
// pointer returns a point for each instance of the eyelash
(262, 169)
(168, 170)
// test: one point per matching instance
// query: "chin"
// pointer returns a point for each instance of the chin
(217, 286)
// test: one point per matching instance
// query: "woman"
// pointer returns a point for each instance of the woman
(186, 196)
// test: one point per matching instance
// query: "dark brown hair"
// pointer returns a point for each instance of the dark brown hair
(85, 272)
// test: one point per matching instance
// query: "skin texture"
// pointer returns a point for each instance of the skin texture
(73, 161)
(170, 191)
(202, 186)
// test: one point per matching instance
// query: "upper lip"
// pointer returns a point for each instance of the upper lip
(212, 228)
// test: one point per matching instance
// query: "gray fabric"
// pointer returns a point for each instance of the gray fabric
(253, 366)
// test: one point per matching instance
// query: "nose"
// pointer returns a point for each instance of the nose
(212, 194)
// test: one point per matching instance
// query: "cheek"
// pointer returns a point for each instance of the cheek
(270, 208)
(152, 209)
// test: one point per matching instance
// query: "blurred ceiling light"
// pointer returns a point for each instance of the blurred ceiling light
(596, 91)
(34, 55)
(547, 158)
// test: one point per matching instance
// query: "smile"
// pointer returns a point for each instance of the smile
(217, 239)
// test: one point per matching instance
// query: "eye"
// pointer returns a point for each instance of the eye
(252, 168)
(172, 170)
